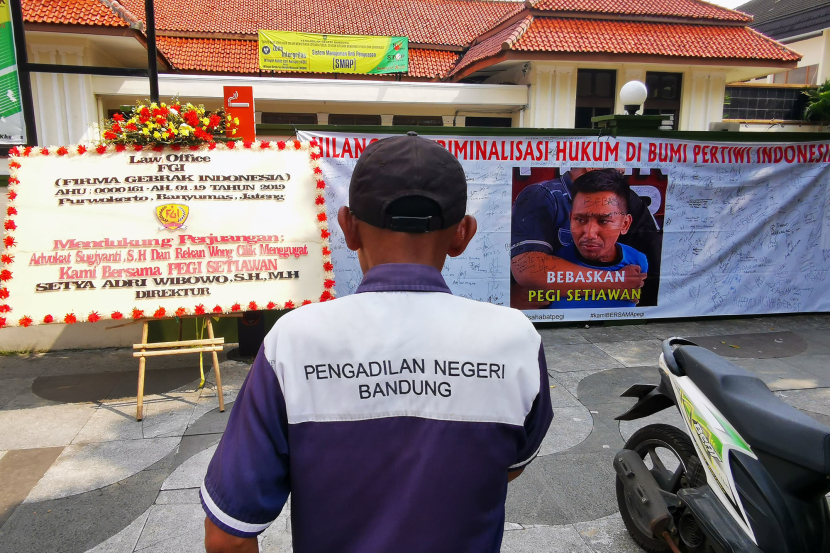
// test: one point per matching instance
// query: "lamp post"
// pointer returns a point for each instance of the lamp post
(633, 95)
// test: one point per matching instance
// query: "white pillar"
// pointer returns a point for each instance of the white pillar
(322, 118)
(460, 120)
(386, 120)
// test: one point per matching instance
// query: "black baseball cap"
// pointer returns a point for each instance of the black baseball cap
(408, 184)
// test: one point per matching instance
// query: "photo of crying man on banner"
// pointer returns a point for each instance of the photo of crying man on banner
(586, 238)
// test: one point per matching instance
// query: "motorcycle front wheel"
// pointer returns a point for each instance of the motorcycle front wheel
(667, 451)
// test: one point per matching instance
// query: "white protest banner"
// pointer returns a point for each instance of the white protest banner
(718, 228)
(110, 232)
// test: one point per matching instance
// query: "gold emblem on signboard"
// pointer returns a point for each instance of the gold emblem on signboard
(172, 216)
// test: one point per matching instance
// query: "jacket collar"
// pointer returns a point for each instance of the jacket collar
(403, 277)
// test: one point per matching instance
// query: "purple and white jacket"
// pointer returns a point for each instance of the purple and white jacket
(392, 416)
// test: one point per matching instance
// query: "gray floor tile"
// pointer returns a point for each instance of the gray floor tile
(559, 395)
(51, 426)
(578, 357)
(191, 473)
(615, 333)
(547, 539)
(780, 374)
(570, 427)
(633, 354)
(605, 386)
(571, 380)
(77, 523)
(176, 527)
(531, 499)
(817, 401)
(607, 535)
(561, 336)
(818, 365)
(125, 540)
(81, 468)
(585, 482)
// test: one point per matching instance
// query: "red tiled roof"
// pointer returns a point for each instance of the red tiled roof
(502, 40)
(452, 22)
(72, 12)
(240, 56)
(661, 39)
(694, 9)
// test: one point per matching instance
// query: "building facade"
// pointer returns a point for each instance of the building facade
(543, 64)
(775, 101)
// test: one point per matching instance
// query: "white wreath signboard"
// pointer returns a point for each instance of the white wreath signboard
(112, 232)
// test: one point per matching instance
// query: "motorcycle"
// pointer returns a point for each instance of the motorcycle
(751, 479)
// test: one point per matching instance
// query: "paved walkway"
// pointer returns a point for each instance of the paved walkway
(78, 473)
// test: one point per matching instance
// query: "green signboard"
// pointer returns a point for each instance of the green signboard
(12, 126)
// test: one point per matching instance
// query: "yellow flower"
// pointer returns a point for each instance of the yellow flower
(173, 130)
(154, 106)
(233, 131)
(205, 120)
(165, 135)
(236, 120)
(146, 132)
(156, 135)
(163, 105)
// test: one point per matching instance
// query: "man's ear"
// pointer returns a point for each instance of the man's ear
(626, 224)
(350, 227)
(464, 232)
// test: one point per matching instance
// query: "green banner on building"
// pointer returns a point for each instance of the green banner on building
(307, 52)
(12, 127)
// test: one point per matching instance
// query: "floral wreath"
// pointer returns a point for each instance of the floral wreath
(120, 134)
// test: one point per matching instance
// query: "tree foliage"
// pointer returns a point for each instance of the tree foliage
(818, 103)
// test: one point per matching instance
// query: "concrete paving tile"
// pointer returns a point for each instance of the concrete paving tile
(607, 535)
(187, 448)
(571, 380)
(277, 537)
(125, 540)
(510, 526)
(530, 497)
(52, 426)
(662, 330)
(111, 422)
(168, 414)
(212, 422)
(178, 527)
(10, 387)
(561, 336)
(547, 539)
(817, 401)
(633, 354)
(605, 386)
(601, 439)
(570, 426)
(606, 412)
(615, 333)
(585, 482)
(191, 473)
(178, 497)
(559, 395)
(82, 521)
(81, 468)
(20, 471)
(780, 374)
(818, 340)
(75, 388)
(578, 357)
(818, 365)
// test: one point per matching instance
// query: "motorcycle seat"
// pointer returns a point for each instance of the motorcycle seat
(762, 419)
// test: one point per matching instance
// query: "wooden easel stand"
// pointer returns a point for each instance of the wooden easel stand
(210, 344)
